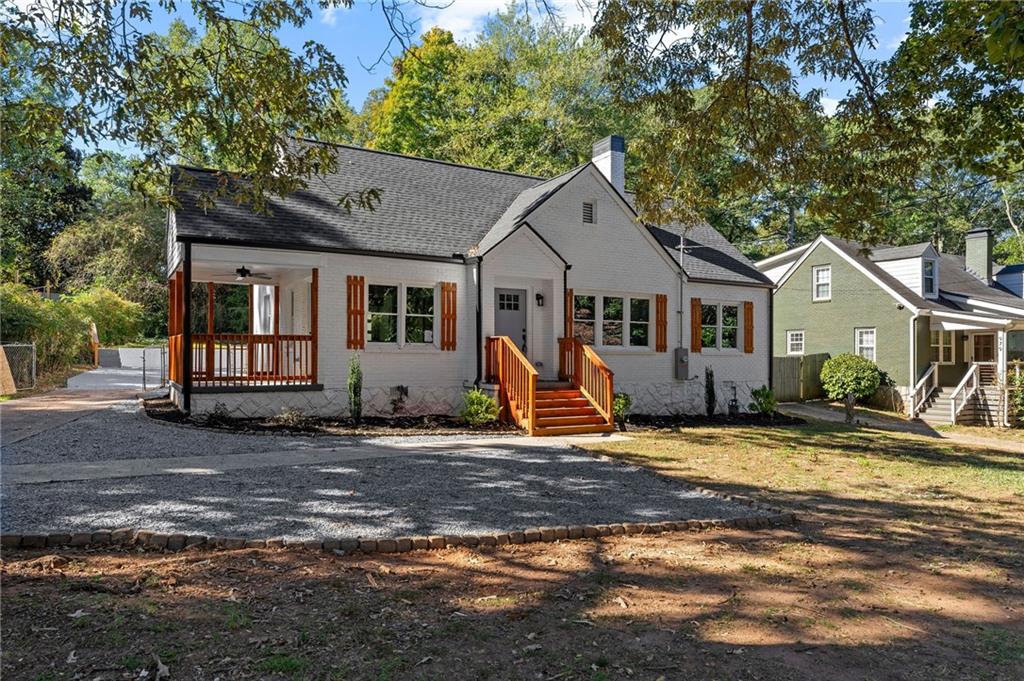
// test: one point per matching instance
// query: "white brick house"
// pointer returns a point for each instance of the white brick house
(463, 276)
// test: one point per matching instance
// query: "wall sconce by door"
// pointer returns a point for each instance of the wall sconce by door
(540, 300)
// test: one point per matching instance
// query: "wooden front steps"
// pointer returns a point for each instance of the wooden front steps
(564, 410)
(983, 409)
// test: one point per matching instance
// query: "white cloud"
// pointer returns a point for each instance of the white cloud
(830, 105)
(329, 15)
(465, 18)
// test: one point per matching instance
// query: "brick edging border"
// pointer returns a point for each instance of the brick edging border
(768, 516)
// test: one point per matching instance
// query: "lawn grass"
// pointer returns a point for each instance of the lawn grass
(906, 563)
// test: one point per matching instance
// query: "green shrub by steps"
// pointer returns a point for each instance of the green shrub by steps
(480, 408)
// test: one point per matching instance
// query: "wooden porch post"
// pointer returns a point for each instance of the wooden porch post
(209, 330)
(314, 323)
(277, 330)
(250, 351)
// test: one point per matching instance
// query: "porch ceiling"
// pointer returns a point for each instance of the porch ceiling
(222, 272)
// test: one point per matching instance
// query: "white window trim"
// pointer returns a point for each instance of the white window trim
(626, 320)
(789, 341)
(738, 350)
(814, 283)
(934, 293)
(874, 346)
(400, 343)
(951, 346)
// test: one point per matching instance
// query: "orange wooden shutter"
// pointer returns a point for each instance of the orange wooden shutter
(449, 326)
(661, 323)
(568, 313)
(356, 312)
(695, 342)
(748, 326)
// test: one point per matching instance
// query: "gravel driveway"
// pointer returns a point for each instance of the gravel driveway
(459, 489)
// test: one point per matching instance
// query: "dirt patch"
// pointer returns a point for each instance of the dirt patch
(296, 424)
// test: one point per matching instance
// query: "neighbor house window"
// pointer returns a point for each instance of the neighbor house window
(383, 309)
(795, 342)
(942, 347)
(928, 277)
(864, 343)
(588, 212)
(584, 315)
(419, 314)
(612, 321)
(719, 326)
(821, 279)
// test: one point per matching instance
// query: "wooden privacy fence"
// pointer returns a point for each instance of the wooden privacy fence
(798, 377)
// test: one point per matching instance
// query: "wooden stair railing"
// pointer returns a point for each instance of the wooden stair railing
(517, 382)
(581, 366)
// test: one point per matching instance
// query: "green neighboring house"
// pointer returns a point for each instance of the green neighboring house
(943, 327)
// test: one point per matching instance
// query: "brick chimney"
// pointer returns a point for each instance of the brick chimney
(978, 257)
(610, 158)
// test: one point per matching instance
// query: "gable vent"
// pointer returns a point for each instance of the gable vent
(588, 212)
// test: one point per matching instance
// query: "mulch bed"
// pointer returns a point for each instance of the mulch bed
(642, 422)
(163, 409)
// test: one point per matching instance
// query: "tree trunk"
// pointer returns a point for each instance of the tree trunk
(849, 402)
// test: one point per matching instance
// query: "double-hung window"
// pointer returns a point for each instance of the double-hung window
(942, 347)
(821, 282)
(864, 343)
(399, 312)
(719, 326)
(612, 321)
(928, 277)
(795, 342)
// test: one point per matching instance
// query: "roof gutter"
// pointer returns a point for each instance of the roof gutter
(211, 241)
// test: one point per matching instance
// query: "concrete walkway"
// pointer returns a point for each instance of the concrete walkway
(214, 464)
(822, 411)
(27, 416)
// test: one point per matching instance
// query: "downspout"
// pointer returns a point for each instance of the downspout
(912, 376)
(771, 333)
(479, 322)
(186, 388)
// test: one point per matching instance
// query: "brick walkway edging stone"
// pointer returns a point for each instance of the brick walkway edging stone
(767, 516)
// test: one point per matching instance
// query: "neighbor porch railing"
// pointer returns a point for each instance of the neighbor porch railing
(581, 366)
(248, 359)
(964, 391)
(924, 388)
(516, 379)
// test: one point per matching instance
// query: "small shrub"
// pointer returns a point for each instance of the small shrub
(480, 408)
(355, 388)
(764, 401)
(849, 377)
(292, 418)
(710, 401)
(620, 407)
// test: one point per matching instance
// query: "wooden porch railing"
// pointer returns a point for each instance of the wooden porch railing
(243, 359)
(581, 366)
(175, 370)
(516, 379)
(925, 387)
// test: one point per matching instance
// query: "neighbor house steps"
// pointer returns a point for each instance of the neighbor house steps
(564, 410)
(983, 408)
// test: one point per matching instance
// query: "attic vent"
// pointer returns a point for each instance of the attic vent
(588, 212)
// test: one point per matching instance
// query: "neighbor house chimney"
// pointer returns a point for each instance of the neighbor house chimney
(610, 159)
(979, 254)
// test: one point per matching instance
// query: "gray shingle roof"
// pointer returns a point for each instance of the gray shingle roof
(428, 208)
(885, 253)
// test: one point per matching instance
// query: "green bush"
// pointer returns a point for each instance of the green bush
(117, 320)
(57, 328)
(621, 404)
(764, 401)
(480, 408)
(355, 388)
(849, 377)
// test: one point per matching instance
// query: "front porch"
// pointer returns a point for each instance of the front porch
(241, 328)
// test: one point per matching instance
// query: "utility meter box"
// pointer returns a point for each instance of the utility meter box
(682, 364)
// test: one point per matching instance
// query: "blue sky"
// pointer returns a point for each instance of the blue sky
(359, 35)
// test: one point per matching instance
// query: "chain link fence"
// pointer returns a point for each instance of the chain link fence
(21, 358)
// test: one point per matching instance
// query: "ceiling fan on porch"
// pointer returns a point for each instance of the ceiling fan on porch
(243, 273)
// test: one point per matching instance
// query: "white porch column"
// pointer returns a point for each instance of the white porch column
(1001, 355)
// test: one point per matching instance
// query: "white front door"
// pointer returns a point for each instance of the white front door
(510, 315)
